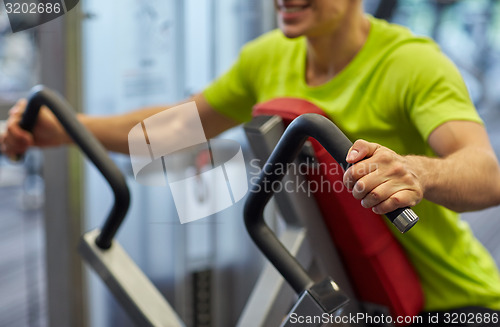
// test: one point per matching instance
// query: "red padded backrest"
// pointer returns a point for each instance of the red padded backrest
(376, 263)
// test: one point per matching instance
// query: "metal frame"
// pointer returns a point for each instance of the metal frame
(131, 287)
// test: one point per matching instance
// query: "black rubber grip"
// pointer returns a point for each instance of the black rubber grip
(287, 149)
(93, 149)
(28, 119)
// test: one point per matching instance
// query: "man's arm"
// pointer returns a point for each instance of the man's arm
(465, 177)
(112, 131)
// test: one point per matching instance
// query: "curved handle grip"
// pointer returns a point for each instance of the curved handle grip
(94, 150)
(289, 146)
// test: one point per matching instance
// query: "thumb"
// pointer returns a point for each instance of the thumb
(360, 150)
(19, 107)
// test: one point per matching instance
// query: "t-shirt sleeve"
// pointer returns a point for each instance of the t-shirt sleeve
(232, 94)
(436, 92)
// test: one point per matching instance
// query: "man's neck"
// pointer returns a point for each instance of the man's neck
(328, 55)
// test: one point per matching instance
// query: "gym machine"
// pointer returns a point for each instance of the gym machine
(132, 288)
(300, 210)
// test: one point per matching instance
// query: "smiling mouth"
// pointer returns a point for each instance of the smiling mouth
(290, 7)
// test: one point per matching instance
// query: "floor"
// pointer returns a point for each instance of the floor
(22, 292)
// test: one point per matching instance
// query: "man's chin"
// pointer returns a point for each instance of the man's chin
(291, 33)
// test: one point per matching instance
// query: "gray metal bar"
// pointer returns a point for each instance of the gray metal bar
(317, 305)
(135, 292)
(306, 308)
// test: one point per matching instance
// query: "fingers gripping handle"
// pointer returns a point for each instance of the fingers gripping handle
(28, 118)
(90, 146)
(338, 145)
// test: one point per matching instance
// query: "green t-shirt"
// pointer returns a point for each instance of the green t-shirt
(395, 92)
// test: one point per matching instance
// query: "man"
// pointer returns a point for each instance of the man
(395, 92)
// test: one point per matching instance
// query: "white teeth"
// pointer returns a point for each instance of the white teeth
(291, 9)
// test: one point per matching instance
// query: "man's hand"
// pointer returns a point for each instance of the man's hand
(382, 179)
(47, 131)
(465, 176)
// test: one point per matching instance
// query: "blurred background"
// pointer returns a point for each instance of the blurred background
(113, 56)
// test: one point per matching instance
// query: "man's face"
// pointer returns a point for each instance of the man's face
(311, 18)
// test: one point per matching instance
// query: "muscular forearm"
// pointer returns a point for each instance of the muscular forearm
(466, 180)
(112, 131)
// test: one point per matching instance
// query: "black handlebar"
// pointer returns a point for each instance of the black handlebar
(92, 148)
(288, 148)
